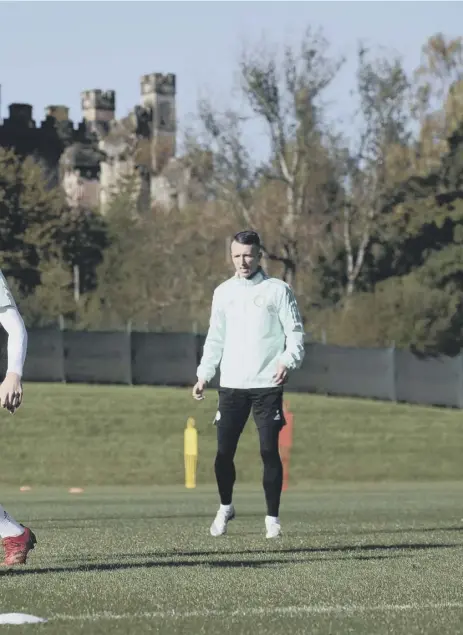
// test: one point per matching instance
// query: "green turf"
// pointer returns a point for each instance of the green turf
(363, 551)
(77, 435)
(365, 559)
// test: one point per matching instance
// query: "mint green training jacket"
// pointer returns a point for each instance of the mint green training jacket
(255, 324)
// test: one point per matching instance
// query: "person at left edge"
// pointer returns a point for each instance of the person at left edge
(17, 540)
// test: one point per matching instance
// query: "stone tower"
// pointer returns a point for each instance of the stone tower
(158, 97)
(59, 113)
(21, 114)
(98, 105)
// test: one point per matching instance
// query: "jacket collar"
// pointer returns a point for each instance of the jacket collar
(257, 278)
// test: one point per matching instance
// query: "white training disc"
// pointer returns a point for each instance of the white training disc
(19, 618)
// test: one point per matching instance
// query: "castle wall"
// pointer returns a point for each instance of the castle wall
(92, 159)
(111, 175)
(81, 191)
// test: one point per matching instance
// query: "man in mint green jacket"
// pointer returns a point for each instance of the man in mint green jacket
(256, 335)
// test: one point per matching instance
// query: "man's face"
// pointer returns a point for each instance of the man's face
(246, 259)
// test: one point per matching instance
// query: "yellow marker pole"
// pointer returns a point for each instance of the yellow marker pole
(191, 453)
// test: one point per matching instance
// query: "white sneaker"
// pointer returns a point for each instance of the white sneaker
(223, 516)
(273, 527)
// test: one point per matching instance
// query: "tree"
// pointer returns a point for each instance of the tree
(440, 72)
(30, 213)
(416, 285)
(83, 238)
(42, 240)
(287, 98)
(375, 161)
(401, 311)
(428, 221)
(51, 299)
(419, 207)
(160, 268)
(437, 99)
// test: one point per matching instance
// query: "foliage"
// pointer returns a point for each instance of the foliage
(365, 222)
(403, 312)
(160, 268)
(284, 93)
(42, 240)
(29, 217)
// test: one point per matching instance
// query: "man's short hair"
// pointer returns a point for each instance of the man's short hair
(247, 237)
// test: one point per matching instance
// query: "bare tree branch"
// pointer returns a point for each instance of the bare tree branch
(383, 91)
(285, 94)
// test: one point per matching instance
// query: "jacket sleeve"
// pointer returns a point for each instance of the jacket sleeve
(291, 320)
(213, 346)
(13, 324)
(6, 297)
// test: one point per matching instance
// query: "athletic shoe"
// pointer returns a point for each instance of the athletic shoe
(219, 526)
(17, 547)
(273, 527)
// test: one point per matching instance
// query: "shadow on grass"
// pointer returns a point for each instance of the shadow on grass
(234, 564)
(411, 530)
(80, 521)
(352, 553)
(374, 530)
(301, 550)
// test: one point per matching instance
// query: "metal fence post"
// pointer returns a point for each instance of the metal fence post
(392, 371)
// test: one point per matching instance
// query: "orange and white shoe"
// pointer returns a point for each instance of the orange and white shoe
(17, 547)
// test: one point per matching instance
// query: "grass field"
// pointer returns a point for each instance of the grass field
(77, 435)
(373, 530)
(367, 560)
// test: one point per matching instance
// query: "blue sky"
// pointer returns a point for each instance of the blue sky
(51, 51)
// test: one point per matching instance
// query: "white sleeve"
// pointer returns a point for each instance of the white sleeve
(13, 324)
(6, 297)
(294, 330)
(213, 346)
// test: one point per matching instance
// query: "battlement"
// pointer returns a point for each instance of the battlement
(158, 83)
(20, 113)
(93, 153)
(60, 113)
(21, 116)
(98, 105)
(98, 99)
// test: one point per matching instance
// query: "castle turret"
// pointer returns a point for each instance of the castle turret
(60, 113)
(98, 105)
(158, 96)
(21, 114)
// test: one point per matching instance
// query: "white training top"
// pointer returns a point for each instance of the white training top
(12, 322)
(255, 324)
